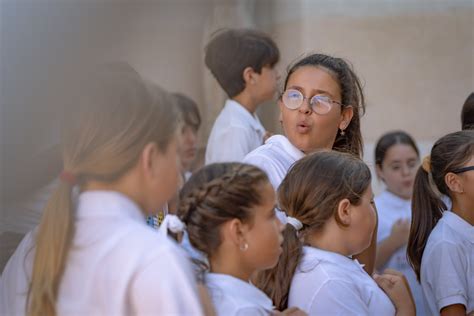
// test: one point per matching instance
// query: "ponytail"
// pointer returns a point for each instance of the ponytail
(427, 210)
(448, 154)
(276, 281)
(53, 241)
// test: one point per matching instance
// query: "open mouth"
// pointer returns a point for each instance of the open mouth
(303, 128)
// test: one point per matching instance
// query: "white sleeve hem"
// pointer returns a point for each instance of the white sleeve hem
(451, 300)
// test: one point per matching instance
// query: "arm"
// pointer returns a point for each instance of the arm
(398, 237)
(454, 310)
(395, 285)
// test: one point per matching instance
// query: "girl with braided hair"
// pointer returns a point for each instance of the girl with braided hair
(228, 210)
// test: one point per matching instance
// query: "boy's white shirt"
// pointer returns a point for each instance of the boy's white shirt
(447, 266)
(391, 208)
(235, 133)
(327, 283)
(232, 296)
(117, 265)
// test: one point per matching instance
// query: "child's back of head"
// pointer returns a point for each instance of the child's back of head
(231, 51)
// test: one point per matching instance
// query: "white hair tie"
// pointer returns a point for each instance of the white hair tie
(294, 222)
(173, 223)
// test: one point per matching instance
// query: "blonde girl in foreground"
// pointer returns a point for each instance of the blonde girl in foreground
(93, 254)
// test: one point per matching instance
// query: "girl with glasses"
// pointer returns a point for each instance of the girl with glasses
(320, 108)
(441, 242)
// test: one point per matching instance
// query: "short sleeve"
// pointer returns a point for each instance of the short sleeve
(443, 272)
(165, 286)
(337, 298)
(266, 165)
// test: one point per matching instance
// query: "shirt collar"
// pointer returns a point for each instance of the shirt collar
(92, 204)
(312, 256)
(235, 287)
(458, 224)
(288, 147)
(253, 119)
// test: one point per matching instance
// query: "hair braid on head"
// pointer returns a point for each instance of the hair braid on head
(207, 190)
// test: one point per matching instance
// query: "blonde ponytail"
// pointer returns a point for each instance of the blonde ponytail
(52, 244)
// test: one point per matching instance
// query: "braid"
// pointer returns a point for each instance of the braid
(214, 195)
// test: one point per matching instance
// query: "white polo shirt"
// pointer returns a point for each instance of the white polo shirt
(328, 283)
(390, 209)
(235, 133)
(117, 265)
(447, 266)
(275, 158)
(232, 296)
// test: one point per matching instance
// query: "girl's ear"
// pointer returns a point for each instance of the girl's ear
(454, 183)
(346, 117)
(379, 172)
(343, 213)
(147, 161)
(236, 231)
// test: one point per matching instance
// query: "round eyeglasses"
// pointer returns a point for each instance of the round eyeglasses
(320, 104)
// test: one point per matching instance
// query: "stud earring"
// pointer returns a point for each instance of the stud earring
(244, 247)
(342, 133)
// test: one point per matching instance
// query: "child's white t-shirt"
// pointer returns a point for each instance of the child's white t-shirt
(390, 209)
(275, 158)
(117, 265)
(232, 296)
(328, 283)
(447, 265)
(235, 133)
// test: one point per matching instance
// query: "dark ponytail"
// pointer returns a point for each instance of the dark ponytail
(277, 284)
(448, 154)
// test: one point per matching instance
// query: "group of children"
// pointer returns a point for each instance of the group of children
(284, 225)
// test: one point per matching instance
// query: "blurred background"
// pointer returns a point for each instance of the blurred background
(416, 59)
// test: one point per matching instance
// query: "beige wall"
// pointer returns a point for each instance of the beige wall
(416, 57)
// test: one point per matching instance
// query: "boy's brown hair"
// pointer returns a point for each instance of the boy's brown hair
(230, 51)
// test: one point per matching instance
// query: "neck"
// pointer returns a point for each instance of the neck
(329, 239)
(246, 101)
(229, 265)
(463, 208)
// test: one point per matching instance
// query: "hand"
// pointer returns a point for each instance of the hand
(400, 232)
(293, 311)
(267, 136)
(395, 285)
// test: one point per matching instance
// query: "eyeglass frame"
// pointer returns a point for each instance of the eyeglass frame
(309, 101)
(464, 169)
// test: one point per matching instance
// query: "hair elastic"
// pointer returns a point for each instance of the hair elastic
(294, 222)
(68, 177)
(426, 165)
(173, 223)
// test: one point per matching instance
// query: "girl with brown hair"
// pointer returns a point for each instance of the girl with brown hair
(228, 210)
(441, 242)
(331, 216)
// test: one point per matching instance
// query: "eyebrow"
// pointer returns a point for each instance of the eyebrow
(400, 161)
(314, 91)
